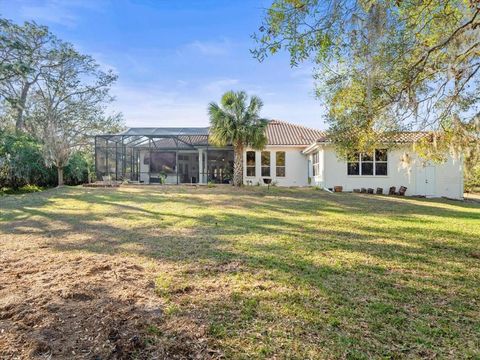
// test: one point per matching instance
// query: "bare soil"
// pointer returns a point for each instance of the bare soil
(82, 306)
(164, 272)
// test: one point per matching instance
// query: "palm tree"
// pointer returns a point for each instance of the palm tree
(237, 121)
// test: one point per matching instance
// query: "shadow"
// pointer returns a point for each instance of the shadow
(340, 269)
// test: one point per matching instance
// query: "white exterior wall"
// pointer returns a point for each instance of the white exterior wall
(144, 169)
(296, 167)
(447, 177)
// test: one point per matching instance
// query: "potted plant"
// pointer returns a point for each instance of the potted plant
(162, 178)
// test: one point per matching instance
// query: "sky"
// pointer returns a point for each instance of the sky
(174, 57)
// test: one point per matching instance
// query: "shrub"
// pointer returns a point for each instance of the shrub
(21, 162)
(79, 169)
(472, 178)
(21, 190)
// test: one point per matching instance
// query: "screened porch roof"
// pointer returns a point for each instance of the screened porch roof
(165, 131)
(157, 138)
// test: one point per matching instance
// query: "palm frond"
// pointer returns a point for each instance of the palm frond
(237, 121)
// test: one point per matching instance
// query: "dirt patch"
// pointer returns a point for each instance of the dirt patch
(66, 306)
(226, 267)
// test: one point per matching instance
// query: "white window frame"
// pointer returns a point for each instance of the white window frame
(374, 163)
(284, 166)
(251, 166)
(316, 163)
(269, 166)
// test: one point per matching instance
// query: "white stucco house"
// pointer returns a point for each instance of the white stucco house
(294, 156)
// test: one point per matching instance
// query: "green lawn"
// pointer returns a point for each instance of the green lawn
(284, 273)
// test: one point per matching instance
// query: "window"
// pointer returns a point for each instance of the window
(316, 164)
(250, 163)
(163, 162)
(353, 167)
(265, 163)
(280, 164)
(368, 164)
(381, 160)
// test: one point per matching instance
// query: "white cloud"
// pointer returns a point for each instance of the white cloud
(57, 11)
(102, 61)
(211, 48)
(144, 105)
(154, 106)
(217, 87)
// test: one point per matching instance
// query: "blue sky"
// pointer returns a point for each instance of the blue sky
(174, 57)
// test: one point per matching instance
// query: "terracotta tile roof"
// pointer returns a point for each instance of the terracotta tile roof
(278, 133)
(407, 136)
(283, 133)
(401, 137)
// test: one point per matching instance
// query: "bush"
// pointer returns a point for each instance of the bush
(472, 179)
(21, 190)
(21, 162)
(211, 185)
(79, 169)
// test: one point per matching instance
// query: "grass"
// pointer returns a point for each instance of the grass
(282, 273)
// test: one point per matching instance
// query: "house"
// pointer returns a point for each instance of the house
(294, 156)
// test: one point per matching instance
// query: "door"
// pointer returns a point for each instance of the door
(188, 168)
(425, 180)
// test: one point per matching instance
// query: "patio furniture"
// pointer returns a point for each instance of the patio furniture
(402, 191)
(392, 190)
(379, 191)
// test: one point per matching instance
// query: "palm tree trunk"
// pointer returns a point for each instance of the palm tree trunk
(238, 166)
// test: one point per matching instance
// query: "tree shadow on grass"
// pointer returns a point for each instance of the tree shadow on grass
(215, 229)
(346, 281)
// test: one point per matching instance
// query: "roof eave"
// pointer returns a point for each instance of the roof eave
(312, 147)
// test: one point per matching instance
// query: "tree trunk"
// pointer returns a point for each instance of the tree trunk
(238, 166)
(60, 175)
(20, 107)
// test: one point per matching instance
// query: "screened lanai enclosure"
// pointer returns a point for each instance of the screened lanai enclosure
(162, 155)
